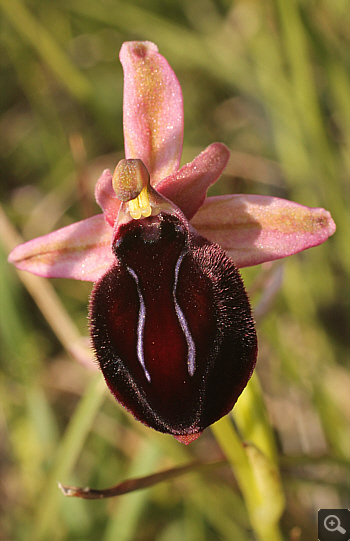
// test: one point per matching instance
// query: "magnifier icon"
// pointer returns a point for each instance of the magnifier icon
(332, 524)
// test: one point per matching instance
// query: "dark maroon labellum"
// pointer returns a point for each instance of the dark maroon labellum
(172, 327)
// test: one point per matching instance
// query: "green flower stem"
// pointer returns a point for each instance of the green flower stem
(257, 479)
(252, 421)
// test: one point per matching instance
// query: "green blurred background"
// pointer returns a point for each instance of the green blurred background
(268, 78)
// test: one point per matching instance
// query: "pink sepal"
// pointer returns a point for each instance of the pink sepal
(153, 109)
(81, 251)
(254, 229)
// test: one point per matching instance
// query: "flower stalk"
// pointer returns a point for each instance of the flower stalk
(257, 478)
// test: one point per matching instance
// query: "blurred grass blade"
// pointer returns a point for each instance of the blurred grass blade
(44, 44)
(68, 452)
(125, 520)
(335, 419)
(48, 301)
(305, 95)
(213, 53)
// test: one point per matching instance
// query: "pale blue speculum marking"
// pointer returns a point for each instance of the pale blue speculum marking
(140, 325)
(191, 356)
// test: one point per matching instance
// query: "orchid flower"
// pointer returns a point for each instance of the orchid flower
(170, 321)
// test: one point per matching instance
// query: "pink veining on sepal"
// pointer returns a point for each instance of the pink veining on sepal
(81, 251)
(255, 228)
(187, 187)
(153, 110)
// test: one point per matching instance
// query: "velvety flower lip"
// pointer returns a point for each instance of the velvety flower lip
(170, 320)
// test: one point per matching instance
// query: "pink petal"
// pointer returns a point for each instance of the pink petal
(106, 198)
(187, 188)
(81, 251)
(254, 228)
(153, 110)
